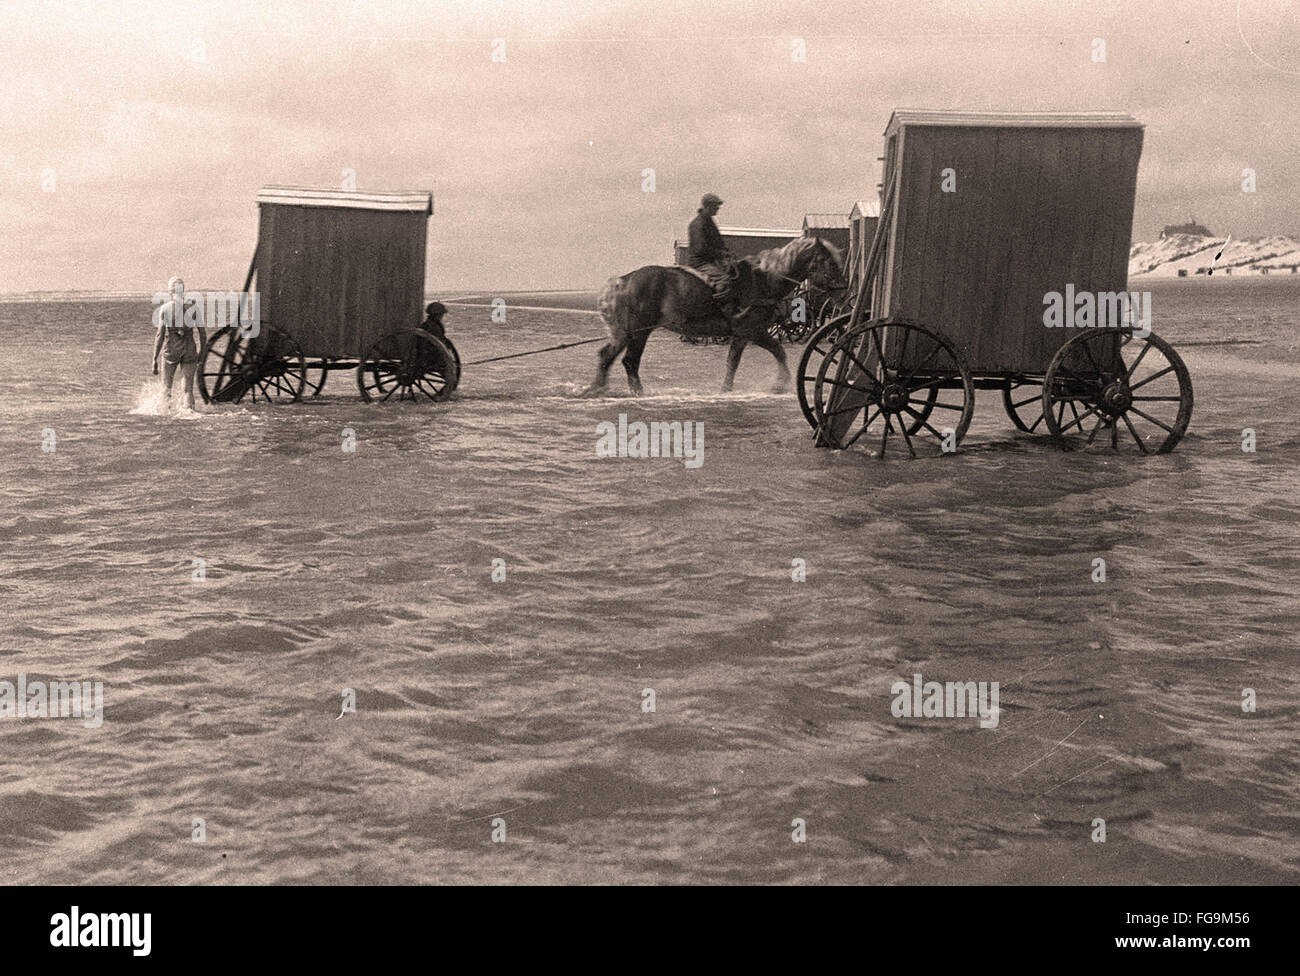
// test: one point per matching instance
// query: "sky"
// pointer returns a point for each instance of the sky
(134, 136)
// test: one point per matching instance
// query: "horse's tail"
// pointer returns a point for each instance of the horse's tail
(614, 302)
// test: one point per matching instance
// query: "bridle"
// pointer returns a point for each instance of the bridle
(820, 280)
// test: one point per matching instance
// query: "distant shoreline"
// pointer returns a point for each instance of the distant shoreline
(519, 298)
(456, 295)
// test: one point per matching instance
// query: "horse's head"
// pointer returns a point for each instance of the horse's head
(805, 258)
(825, 271)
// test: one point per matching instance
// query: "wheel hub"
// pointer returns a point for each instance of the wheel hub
(1116, 398)
(893, 397)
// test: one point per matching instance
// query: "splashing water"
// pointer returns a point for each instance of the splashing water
(152, 401)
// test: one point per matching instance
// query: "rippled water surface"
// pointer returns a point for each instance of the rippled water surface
(523, 699)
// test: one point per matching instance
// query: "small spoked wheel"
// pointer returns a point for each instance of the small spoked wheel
(819, 344)
(407, 365)
(829, 309)
(1023, 400)
(1107, 387)
(268, 366)
(888, 377)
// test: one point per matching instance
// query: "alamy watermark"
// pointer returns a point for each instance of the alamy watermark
(949, 699)
(53, 699)
(75, 929)
(1101, 310)
(657, 439)
(213, 309)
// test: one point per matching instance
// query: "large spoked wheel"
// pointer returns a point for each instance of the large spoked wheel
(407, 365)
(884, 377)
(1134, 392)
(1023, 400)
(268, 366)
(455, 355)
(819, 344)
(316, 375)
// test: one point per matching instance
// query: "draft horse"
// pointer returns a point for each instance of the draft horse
(677, 299)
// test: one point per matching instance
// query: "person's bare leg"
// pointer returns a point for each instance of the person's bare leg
(168, 374)
(187, 382)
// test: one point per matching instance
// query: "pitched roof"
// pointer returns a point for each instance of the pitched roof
(826, 221)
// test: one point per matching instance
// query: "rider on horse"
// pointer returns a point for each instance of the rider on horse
(708, 253)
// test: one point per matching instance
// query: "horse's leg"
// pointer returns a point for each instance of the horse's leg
(604, 359)
(772, 345)
(632, 360)
(738, 343)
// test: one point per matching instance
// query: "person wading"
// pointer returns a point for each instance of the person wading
(708, 253)
(178, 341)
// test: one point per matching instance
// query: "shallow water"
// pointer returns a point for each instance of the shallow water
(522, 699)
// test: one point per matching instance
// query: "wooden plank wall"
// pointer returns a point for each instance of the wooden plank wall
(337, 279)
(863, 232)
(1035, 208)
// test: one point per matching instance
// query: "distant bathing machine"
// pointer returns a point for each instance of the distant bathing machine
(743, 241)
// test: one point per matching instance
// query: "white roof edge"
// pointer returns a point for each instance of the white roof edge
(306, 196)
(828, 221)
(1112, 120)
(761, 231)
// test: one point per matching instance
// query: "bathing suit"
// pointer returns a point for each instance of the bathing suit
(180, 345)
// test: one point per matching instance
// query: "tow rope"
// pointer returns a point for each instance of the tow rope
(534, 352)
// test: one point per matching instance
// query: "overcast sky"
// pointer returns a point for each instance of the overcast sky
(160, 121)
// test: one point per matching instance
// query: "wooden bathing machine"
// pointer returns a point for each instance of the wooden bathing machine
(985, 214)
(341, 268)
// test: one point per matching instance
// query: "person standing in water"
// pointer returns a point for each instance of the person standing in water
(178, 341)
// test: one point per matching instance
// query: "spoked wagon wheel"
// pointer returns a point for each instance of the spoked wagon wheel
(316, 375)
(882, 378)
(1133, 391)
(455, 355)
(269, 364)
(829, 309)
(1023, 400)
(813, 353)
(797, 331)
(407, 365)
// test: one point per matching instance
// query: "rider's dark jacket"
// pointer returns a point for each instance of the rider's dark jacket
(707, 245)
